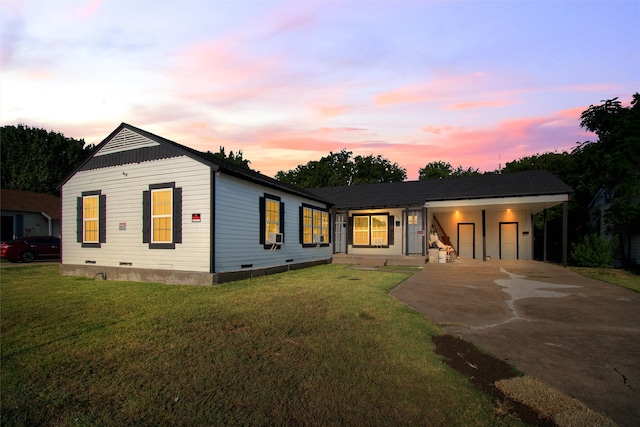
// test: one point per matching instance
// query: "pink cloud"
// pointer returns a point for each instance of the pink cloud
(330, 111)
(88, 9)
(481, 104)
(440, 87)
(436, 129)
(340, 129)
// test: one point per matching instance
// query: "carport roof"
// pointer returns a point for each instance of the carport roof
(416, 193)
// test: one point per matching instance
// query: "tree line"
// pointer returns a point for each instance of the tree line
(38, 160)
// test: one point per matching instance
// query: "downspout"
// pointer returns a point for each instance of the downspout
(212, 226)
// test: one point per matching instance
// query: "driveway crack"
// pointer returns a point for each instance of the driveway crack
(624, 379)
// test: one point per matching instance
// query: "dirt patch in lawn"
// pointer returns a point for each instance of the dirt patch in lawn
(525, 398)
(484, 371)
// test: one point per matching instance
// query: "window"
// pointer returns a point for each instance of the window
(91, 219)
(314, 226)
(162, 216)
(379, 229)
(273, 218)
(361, 230)
(271, 221)
(412, 219)
(371, 230)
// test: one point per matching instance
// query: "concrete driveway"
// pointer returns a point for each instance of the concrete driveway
(579, 335)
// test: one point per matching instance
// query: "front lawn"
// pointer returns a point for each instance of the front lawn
(616, 276)
(320, 346)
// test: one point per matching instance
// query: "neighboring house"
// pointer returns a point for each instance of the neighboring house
(142, 207)
(481, 217)
(598, 206)
(146, 208)
(25, 213)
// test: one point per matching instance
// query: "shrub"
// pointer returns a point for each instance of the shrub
(593, 251)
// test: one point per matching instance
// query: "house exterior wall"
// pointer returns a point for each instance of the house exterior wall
(123, 187)
(397, 248)
(31, 224)
(237, 225)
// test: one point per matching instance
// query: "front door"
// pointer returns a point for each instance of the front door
(415, 233)
(466, 240)
(508, 240)
(340, 244)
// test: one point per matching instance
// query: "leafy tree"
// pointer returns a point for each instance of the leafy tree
(234, 158)
(370, 169)
(332, 170)
(339, 169)
(613, 162)
(440, 169)
(36, 160)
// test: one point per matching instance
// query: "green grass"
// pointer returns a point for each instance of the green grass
(616, 276)
(319, 346)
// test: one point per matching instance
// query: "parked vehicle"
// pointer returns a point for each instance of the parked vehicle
(28, 249)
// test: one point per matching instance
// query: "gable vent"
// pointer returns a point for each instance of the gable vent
(125, 140)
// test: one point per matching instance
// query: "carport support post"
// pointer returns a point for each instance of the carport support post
(565, 231)
(484, 235)
(425, 235)
(544, 234)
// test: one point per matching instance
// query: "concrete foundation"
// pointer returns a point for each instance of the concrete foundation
(176, 277)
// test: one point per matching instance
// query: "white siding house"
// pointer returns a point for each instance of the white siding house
(145, 208)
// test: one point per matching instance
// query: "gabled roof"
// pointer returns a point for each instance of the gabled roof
(166, 148)
(415, 193)
(28, 201)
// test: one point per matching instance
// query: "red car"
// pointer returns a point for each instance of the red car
(27, 249)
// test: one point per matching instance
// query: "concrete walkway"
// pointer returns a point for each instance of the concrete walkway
(579, 335)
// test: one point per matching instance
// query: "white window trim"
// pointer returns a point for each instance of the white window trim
(170, 215)
(85, 218)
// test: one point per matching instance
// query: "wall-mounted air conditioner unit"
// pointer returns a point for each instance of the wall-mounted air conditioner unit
(275, 239)
(318, 238)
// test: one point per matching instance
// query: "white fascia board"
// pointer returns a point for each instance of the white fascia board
(499, 201)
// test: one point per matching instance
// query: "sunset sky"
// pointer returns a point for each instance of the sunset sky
(472, 83)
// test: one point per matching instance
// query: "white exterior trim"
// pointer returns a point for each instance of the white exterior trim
(534, 203)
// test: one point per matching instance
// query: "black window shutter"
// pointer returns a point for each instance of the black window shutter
(262, 221)
(301, 225)
(282, 220)
(102, 218)
(350, 230)
(177, 215)
(80, 219)
(146, 216)
(391, 229)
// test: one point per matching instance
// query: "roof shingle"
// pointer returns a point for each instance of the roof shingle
(28, 201)
(412, 193)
